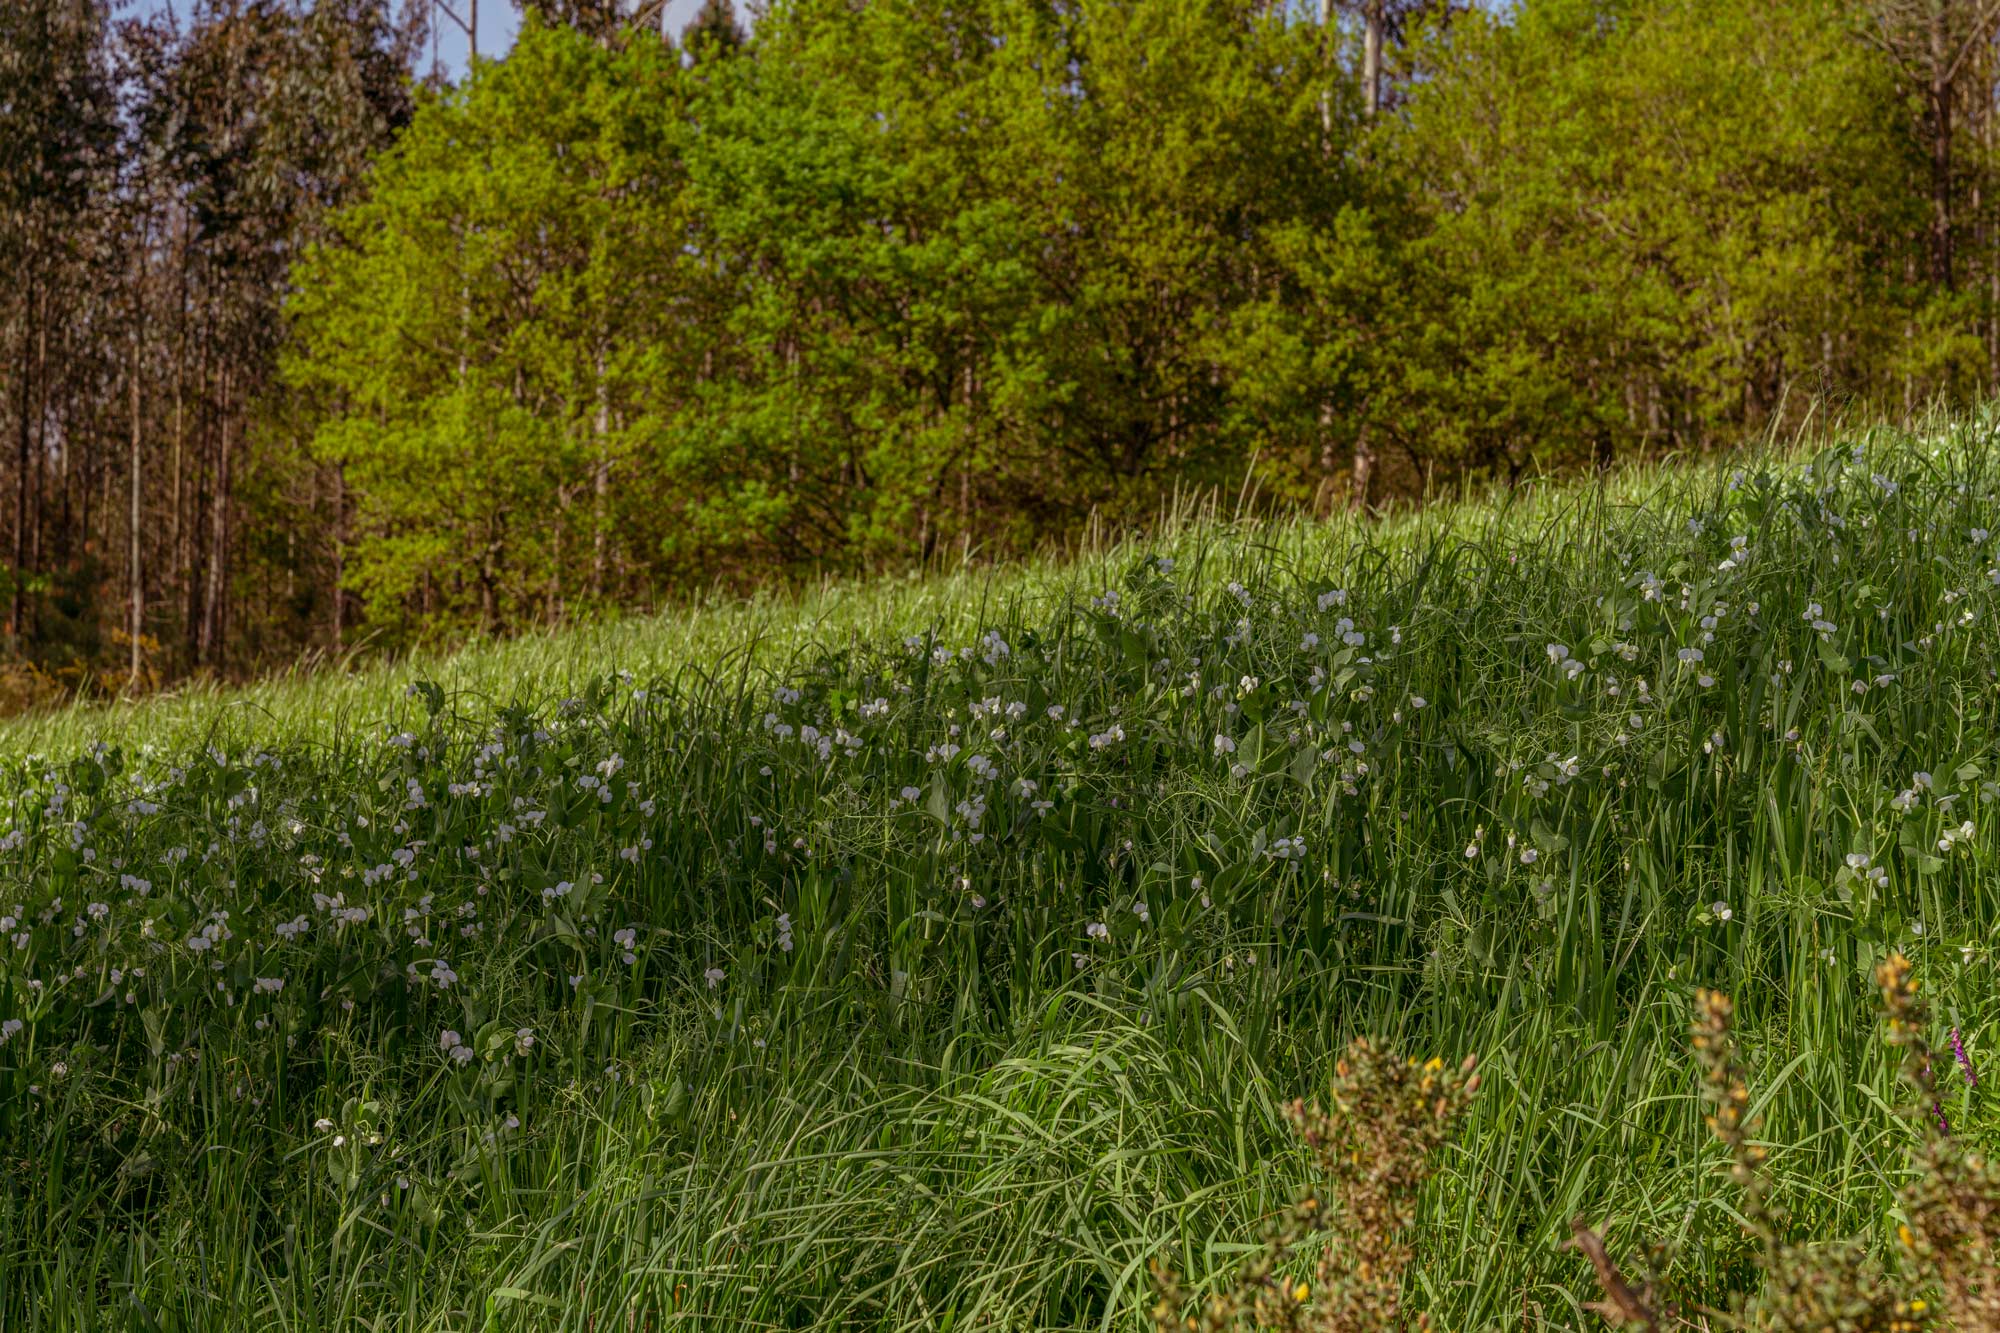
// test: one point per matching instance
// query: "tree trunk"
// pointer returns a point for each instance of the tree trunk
(1371, 56)
(1940, 109)
(15, 627)
(1325, 98)
(339, 557)
(215, 608)
(137, 480)
(1364, 468)
(39, 450)
(600, 482)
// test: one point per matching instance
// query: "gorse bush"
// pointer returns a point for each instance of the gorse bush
(1391, 1118)
(1952, 1206)
(947, 960)
(1394, 1117)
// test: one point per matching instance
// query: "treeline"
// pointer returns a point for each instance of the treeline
(303, 354)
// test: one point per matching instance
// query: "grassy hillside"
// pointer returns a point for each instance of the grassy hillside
(932, 955)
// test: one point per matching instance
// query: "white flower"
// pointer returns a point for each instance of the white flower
(1287, 849)
(1225, 745)
(714, 977)
(524, 1040)
(1097, 930)
(1722, 911)
(322, 1124)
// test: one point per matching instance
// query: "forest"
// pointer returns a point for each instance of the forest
(311, 348)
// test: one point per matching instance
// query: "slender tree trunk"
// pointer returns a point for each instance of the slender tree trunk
(1371, 56)
(1326, 97)
(15, 627)
(138, 571)
(1940, 247)
(1940, 109)
(40, 450)
(1364, 468)
(339, 558)
(66, 472)
(600, 482)
(215, 609)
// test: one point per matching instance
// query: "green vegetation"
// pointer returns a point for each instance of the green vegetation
(942, 954)
(308, 349)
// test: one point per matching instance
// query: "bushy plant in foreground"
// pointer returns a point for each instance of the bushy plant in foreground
(1374, 1151)
(1379, 1148)
(1950, 1241)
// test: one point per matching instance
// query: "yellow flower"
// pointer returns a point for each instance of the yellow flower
(1918, 1307)
(1903, 1231)
(1300, 1292)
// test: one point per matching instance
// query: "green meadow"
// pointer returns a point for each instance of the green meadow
(933, 953)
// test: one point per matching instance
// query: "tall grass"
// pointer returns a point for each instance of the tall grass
(940, 1009)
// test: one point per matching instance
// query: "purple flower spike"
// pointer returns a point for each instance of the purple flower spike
(1964, 1060)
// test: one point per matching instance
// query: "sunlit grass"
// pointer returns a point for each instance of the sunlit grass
(942, 1010)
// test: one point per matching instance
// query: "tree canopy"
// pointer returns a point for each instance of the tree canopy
(615, 317)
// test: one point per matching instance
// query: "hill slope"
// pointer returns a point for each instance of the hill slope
(936, 954)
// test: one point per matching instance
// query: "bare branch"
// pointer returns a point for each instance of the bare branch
(1621, 1305)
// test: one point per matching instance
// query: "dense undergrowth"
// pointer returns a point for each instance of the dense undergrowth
(938, 956)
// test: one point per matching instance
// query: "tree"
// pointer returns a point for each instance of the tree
(713, 31)
(1635, 231)
(485, 333)
(1932, 44)
(56, 137)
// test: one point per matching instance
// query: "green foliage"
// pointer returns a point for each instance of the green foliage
(819, 974)
(953, 274)
(489, 329)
